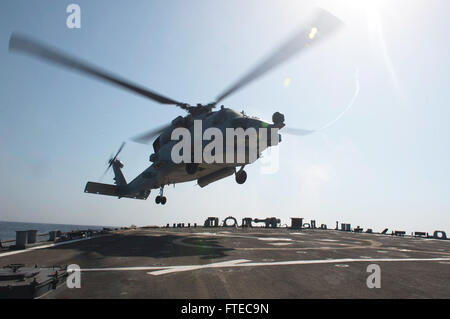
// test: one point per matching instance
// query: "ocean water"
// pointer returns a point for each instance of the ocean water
(8, 229)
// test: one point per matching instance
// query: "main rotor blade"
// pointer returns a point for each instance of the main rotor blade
(24, 44)
(297, 131)
(321, 26)
(148, 136)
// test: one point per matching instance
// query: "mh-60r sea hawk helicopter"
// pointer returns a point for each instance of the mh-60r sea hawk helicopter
(163, 170)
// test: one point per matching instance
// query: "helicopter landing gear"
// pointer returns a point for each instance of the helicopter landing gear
(160, 199)
(241, 176)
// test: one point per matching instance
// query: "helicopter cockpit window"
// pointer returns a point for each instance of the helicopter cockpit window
(240, 122)
(219, 116)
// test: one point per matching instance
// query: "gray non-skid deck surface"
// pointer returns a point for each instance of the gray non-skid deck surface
(248, 263)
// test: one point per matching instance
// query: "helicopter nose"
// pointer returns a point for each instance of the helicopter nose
(271, 139)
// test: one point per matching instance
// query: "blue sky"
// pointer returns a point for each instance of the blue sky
(383, 164)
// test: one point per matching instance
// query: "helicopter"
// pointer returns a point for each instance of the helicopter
(164, 170)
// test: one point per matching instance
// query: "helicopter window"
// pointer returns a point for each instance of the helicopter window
(219, 116)
(239, 122)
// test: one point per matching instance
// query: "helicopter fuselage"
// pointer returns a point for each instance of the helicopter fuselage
(164, 170)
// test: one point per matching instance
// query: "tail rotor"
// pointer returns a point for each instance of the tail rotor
(112, 160)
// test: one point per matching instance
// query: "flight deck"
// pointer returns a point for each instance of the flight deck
(226, 262)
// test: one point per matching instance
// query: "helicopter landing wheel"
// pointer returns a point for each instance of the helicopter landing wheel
(241, 177)
(161, 199)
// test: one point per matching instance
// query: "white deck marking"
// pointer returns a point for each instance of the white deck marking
(273, 239)
(225, 264)
(163, 270)
(242, 263)
(280, 244)
(205, 234)
(15, 252)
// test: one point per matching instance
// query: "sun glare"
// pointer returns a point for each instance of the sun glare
(372, 12)
(313, 33)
